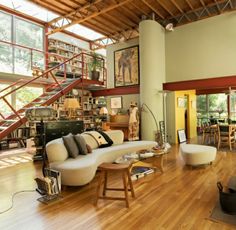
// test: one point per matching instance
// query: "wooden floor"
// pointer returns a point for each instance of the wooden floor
(180, 198)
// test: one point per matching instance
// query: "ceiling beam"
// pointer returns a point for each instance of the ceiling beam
(163, 5)
(205, 8)
(180, 9)
(115, 38)
(81, 8)
(218, 7)
(90, 16)
(192, 8)
(153, 9)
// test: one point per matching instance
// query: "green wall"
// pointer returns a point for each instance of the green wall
(202, 49)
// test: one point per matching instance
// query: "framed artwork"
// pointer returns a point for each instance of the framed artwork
(116, 102)
(126, 62)
(181, 102)
(181, 135)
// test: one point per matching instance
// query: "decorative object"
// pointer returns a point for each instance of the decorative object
(164, 95)
(71, 105)
(181, 135)
(126, 66)
(103, 111)
(95, 66)
(181, 102)
(36, 71)
(116, 102)
(41, 114)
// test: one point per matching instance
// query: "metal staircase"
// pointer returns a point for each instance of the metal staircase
(56, 89)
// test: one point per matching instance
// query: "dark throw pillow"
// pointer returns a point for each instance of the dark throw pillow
(81, 144)
(70, 145)
(107, 138)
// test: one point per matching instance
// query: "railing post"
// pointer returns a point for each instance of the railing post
(14, 111)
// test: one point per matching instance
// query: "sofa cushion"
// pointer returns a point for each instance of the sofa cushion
(98, 138)
(117, 136)
(71, 145)
(56, 151)
(90, 140)
(107, 138)
(81, 144)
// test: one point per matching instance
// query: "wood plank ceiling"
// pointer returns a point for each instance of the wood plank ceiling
(119, 19)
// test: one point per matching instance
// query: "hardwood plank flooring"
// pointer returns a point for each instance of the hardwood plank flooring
(180, 198)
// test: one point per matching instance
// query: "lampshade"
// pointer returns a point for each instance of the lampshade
(71, 103)
(103, 111)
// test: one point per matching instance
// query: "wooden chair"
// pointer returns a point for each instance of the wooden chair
(226, 135)
(209, 132)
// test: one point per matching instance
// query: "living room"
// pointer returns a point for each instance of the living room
(196, 57)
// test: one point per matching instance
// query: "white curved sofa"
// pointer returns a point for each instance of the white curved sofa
(81, 170)
(197, 154)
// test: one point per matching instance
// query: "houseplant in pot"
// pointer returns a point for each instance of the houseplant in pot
(95, 66)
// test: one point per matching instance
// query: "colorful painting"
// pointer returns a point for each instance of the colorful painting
(126, 66)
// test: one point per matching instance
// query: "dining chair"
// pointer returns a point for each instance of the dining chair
(226, 135)
(209, 132)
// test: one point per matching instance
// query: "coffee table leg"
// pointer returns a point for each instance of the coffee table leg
(158, 162)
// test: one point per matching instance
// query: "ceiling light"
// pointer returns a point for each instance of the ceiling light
(170, 27)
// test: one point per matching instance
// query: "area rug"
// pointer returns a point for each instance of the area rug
(219, 216)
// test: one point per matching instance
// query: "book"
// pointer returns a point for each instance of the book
(139, 172)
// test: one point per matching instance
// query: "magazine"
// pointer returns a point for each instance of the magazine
(139, 172)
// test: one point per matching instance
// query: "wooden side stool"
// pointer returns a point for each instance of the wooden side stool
(124, 169)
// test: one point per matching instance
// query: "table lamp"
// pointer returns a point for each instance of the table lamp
(71, 104)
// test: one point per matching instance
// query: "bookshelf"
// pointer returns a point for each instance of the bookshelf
(60, 51)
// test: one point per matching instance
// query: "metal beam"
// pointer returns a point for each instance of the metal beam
(153, 9)
(90, 16)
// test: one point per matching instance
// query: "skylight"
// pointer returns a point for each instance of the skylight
(30, 9)
(84, 32)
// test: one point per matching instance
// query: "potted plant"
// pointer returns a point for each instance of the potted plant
(95, 66)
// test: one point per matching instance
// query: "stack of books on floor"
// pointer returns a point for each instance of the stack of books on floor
(139, 172)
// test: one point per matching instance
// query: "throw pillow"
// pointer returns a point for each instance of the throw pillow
(107, 138)
(89, 148)
(70, 145)
(81, 144)
(101, 141)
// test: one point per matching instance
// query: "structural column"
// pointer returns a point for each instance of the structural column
(152, 74)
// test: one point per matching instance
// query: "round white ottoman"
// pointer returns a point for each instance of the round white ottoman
(197, 154)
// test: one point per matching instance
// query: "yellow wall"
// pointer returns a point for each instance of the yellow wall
(179, 114)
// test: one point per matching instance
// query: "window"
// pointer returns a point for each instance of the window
(233, 106)
(5, 27)
(18, 99)
(28, 34)
(15, 59)
(27, 94)
(211, 105)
